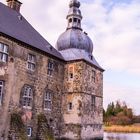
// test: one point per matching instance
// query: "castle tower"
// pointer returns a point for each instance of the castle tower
(82, 101)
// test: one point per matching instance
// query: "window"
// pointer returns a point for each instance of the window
(70, 73)
(93, 102)
(69, 106)
(31, 62)
(29, 131)
(79, 21)
(91, 57)
(3, 53)
(70, 20)
(75, 19)
(27, 97)
(93, 76)
(50, 68)
(48, 100)
(1, 92)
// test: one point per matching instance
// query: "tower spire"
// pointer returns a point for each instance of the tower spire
(74, 16)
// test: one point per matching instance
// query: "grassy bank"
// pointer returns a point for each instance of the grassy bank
(123, 129)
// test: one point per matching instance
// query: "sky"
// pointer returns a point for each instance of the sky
(113, 26)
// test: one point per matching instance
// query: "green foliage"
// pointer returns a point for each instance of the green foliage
(17, 126)
(43, 128)
(118, 114)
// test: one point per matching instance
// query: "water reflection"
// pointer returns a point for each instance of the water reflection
(121, 136)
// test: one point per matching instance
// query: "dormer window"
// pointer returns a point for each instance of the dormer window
(3, 52)
(31, 62)
(91, 57)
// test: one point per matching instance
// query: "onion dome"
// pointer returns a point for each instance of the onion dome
(74, 37)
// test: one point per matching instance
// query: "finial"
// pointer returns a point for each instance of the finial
(74, 16)
(74, 3)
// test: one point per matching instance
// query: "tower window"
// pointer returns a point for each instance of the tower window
(70, 106)
(31, 62)
(50, 68)
(48, 100)
(93, 102)
(93, 76)
(3, 52)
(70, 20)
(70, 73)
(27, 97)
(29, 131)
(75, 19)
(1, 92)
(79, 21)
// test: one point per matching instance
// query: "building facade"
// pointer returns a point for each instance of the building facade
(46, 92)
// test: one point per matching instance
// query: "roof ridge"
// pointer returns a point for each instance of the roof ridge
(22, 30)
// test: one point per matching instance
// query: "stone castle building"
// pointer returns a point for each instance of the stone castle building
(63, 86)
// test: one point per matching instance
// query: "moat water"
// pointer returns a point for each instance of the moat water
(121, 136)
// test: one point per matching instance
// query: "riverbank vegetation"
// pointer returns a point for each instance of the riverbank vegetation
(123, 129)
(118, 117)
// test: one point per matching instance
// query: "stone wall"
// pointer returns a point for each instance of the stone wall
(73, 85)
(87, 81)
(15, 75)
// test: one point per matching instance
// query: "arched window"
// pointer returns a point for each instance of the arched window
(70, 20)
(48, 100)
(27, 97)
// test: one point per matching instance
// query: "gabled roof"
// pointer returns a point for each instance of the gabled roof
(16, 26)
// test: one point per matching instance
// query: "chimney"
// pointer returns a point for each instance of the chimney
(14, 4)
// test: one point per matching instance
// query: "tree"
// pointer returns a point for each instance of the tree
(118, 113)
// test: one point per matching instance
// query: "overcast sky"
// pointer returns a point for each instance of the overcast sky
(114, 27)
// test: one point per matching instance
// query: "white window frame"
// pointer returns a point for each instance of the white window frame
(29, 129)
(3, 53)
(48, 100)
(50, 68)
(31, 62)
(1, 91)
(27, 98)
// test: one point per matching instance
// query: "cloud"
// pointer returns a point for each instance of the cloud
(123, 93)
(114, 27)
(116, 34)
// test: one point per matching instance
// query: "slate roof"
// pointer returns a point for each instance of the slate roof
(13, 24)
(78, 54)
